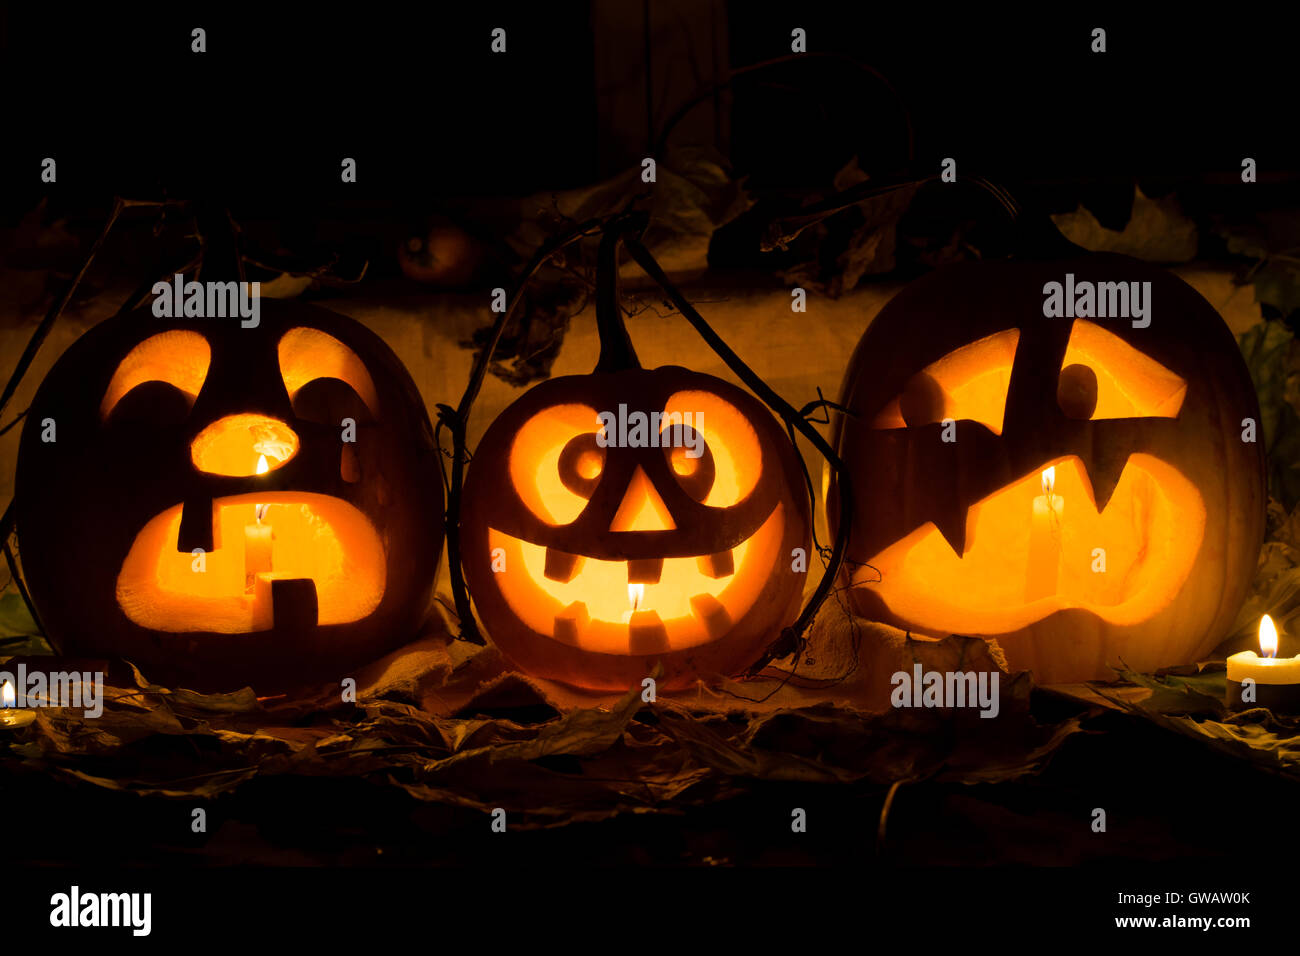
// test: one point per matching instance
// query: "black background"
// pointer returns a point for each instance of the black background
(416, 96)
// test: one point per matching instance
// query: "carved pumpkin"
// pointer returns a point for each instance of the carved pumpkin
(589, 564)
(1094, 494)
(205, 511)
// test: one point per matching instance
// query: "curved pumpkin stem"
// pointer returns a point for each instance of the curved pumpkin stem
(790, 637)
(616, 351)
(457, 419)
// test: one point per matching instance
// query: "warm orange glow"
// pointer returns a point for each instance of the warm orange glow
(1049, 480)
(592, 609)
(178, 357)
(535, 461)
(642, 509)
(969, 383)
(1129, 384)
(259, 510)
(308, 354)
(242, 445)
(732, 439)
(1267, 637)
(9, 699)
(535, 457)
(695, 599)
(1150, 533)
(315, 536)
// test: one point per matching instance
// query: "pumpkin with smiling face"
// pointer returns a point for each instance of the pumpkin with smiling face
(1078, 488)
(591, 561)
(206, 510)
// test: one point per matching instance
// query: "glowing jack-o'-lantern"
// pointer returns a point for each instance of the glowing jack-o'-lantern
(1083, 490)
(675, 544)
(225, 505)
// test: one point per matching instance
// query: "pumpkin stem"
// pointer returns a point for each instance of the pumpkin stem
(616, 351)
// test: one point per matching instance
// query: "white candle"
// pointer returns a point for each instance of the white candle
(1269, 669)
(1044, 559)
(1265, 681)
(257, 539)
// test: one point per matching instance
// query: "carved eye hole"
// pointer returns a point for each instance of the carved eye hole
(1102, 376)
(325, 379)
(171, 366)
(581, 462)
(970, 382)
(553, 491)
(732, 460)
(690, 459)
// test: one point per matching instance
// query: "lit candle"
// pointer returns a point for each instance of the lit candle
(635, 596)
(12, 717)
(1275, 680)
(1044, 565)
(257, 538)
(646, 633)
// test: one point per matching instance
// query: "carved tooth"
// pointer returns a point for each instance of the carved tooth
(717, 565)
(571, 622)
(710, 612)
(562, 566)
(645, 571)
(199, 526)
(285, 604)
(646, 634)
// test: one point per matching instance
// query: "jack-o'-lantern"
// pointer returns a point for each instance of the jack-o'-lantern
(1087, 489)
(225, 505)
(617, 521)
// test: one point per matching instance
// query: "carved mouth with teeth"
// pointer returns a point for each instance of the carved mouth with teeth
(281, 561)
(638, 606)
(1119, 562)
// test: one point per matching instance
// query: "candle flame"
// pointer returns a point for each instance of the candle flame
(8, 695)
(1049, 480)
(262, 468)
(635, 595)
(1267, 636)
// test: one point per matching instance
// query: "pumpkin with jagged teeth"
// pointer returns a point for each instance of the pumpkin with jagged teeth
(591, 561)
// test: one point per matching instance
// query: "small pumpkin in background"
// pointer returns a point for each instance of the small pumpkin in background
(444, 255)
(1082, 490)
(205, 511)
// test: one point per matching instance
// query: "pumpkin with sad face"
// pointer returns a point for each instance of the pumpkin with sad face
(1081, 489)
(207, 512)
(591, 561)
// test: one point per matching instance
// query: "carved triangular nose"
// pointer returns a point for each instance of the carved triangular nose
(642, 509)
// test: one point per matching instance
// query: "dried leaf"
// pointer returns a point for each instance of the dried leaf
(1181, 704)
(491, 737)
(1273, 358)
(854, 243)
(1157, 231)
(16, 621)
